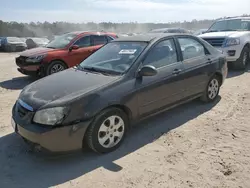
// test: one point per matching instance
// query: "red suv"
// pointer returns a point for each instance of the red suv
(63, 52)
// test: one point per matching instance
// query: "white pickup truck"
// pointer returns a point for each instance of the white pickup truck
(232, 37)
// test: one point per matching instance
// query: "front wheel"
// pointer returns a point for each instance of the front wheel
(243, 60)
(212, 90)
(54, 67)
(107, 131)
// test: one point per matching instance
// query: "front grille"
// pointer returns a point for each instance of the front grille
(22, 111)
(21, 60)
(217, 42)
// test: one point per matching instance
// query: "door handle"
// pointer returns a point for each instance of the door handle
(176, 71)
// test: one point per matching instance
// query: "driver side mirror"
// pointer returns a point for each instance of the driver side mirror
(147, 70)
(74, 47)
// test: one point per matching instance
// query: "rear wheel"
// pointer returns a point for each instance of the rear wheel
(54, 67)
(107, 131)
(242, 62)
(212, 90)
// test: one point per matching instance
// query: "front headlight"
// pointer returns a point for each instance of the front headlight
(232, 41)
(36, 58)
(50, 116)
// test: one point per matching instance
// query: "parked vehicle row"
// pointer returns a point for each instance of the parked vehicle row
(16, 44)
(129, 79)
(12, 44)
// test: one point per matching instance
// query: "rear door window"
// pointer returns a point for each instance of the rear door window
(191, 48)
(83, 42)
(99, 40)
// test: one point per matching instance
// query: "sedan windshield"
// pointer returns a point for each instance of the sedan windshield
(231, 25)
(114, 58)
(61, 41)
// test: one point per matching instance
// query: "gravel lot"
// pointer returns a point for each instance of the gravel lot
(194, 145)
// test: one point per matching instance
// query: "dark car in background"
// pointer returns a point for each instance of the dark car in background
(125, 81)
(169, 30)
(63, 52)
(200, 31)
(12, 44)
(36, 42)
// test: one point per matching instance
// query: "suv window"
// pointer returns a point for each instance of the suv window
(191, 48)
(83, 42)
(98, 40)
(231, 25)
(164, 53)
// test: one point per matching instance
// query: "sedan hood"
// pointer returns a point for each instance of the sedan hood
(35, 51)
(63, 87)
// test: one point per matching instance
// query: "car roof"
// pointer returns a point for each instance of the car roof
(234, 18)
(148, 37)
(92, 32)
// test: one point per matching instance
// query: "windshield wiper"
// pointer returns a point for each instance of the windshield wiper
(99, 70)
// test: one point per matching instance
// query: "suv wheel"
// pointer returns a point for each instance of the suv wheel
(54, 67)
(242, 62)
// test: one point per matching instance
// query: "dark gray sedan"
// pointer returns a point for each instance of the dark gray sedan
(125, 81)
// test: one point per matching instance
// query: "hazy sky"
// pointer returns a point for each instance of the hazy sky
(120, 10)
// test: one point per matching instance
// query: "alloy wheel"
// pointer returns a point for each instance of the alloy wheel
(56, 68)
(213, 88)
(111, 131)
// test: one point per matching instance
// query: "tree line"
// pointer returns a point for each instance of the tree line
(47, 29)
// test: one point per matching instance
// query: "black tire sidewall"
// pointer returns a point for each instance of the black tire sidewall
(92, 135)
(238, 65)
(51, 64)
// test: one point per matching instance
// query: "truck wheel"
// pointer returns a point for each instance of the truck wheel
(242, 62)
(55, 66)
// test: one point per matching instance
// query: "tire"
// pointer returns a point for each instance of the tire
(243, 60)
(98, 140)
(54, 67)
(212, 90)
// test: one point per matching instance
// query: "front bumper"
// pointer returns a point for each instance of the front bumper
(28, 68)
(57, 140)
(27, 71)
(232, 53)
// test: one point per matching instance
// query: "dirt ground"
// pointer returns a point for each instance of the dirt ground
(194, 145)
